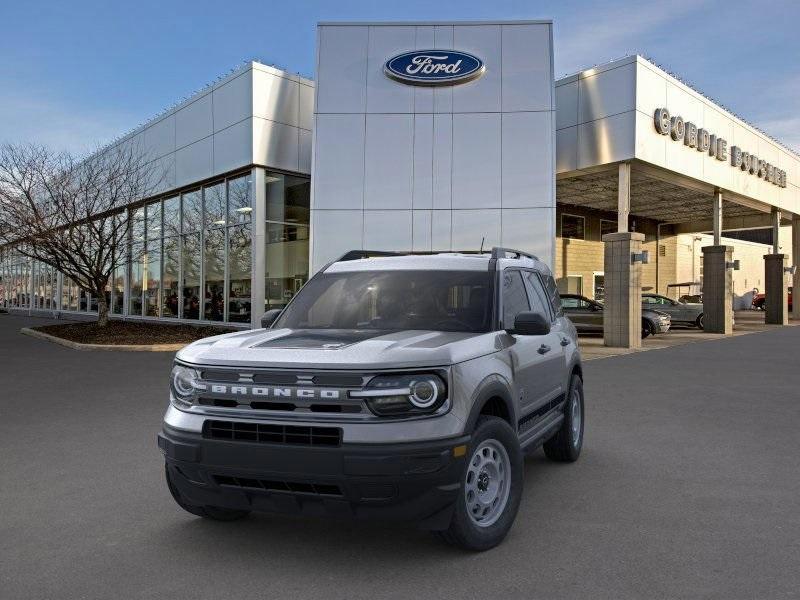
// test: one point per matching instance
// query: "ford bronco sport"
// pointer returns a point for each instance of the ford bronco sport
(391, 386)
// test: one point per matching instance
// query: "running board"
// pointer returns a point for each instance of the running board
(539, 433)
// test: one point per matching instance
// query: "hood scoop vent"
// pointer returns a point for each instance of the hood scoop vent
(322, 339)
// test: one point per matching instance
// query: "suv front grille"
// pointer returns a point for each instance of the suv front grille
(268, 433)
(319, 489)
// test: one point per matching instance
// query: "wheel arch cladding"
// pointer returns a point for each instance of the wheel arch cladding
(493, 398)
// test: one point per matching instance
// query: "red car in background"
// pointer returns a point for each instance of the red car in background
(760, 299)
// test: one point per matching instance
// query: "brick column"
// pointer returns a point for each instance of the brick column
(776, 290)
(622, 314)
(717, 290)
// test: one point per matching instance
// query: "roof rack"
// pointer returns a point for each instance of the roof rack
(499, 252)
(360, 254)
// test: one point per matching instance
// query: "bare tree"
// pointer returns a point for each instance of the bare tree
(70, 213)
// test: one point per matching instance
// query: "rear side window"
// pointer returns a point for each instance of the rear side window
(515, 298)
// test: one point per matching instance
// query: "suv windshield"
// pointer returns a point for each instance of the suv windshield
(393, 300)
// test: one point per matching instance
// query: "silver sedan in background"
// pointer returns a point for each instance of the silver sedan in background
(681, 313)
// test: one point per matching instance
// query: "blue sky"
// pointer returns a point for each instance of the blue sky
(75, 74)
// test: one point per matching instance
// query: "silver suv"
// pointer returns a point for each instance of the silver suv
(391, 386)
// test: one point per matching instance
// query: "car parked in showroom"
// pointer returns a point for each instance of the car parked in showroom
(681, 313)
(587, 316)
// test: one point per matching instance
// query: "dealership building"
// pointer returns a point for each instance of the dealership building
(448, 136)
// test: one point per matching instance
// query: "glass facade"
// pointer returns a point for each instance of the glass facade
(190, 256)
(288, 212)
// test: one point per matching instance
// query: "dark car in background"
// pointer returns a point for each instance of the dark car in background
(587, 316)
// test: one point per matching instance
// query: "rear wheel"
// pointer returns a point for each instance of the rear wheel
(700, 321)
(491, 488)
(207, 512)
(566, 445)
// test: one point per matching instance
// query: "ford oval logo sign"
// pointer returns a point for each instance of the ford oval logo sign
(434, 67)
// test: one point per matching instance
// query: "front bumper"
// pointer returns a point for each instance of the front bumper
(416, 482)
(663, 326)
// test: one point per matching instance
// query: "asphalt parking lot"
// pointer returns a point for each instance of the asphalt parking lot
(688, 488)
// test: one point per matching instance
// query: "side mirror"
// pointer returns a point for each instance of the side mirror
(596, 307)
(269, 317)
(531, 323)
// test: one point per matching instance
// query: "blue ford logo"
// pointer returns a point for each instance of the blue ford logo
(434, 67)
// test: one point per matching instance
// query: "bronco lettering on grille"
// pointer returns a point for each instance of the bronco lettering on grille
(275, 392)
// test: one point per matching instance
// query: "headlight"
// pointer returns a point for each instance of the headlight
(404, 394)
(184, 381)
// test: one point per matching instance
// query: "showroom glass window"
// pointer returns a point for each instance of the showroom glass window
(240, 263)
(170, 274)
(151, 261)
(573, 227)
(214, 252)
(192, 213)
(287, 199)
(136, 278)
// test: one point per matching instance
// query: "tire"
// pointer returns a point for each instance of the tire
(567, 443)
(215, 513)
(700, 321)
(493, 442)
(648, 328)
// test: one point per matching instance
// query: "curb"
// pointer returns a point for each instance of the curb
(121, 347)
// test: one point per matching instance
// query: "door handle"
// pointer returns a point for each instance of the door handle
(565, 341)
(543, 349)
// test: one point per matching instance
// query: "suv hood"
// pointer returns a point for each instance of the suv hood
(339, 348)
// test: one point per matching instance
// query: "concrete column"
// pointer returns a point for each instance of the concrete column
(776, 290)
(717, 218)
(623, 197)
(622, 315)
(60, 291)
(796, 263)
(258, 197)
(776, 231)
(717, 289)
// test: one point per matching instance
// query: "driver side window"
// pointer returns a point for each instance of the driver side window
(515, 298)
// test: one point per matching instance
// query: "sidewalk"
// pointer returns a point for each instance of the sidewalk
(747, 321)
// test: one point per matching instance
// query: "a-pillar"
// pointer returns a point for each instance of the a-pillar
(622, 313)
(796, 263)
(717, 289)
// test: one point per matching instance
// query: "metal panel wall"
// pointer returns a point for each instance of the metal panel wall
(606, 115)
(256, 115)
(400, 167)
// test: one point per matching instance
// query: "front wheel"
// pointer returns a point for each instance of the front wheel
(491, 489)
(700, 321)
